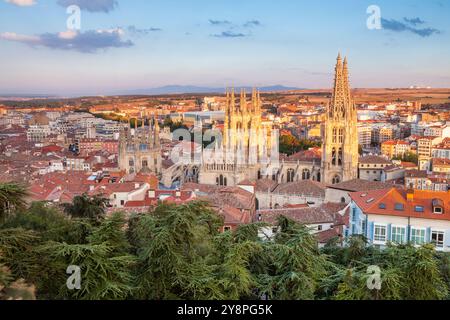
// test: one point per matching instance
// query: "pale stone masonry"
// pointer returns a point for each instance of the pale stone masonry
(340, 148)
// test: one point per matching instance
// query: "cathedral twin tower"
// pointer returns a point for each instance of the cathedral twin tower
(246, 136)
(340, 145)
(252, 145)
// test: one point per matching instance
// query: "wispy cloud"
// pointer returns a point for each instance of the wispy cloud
(414, 21)
(399, 26)
(22, 3)
(141, 32)
(229, 34)
(252, 23)
(219, 22)
(91, 5)
(87, 42)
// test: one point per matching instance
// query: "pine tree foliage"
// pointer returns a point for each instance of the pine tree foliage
(12, 197)
(177, 252)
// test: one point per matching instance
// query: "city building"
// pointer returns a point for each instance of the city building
(422, 180)
(440, 131)
(441, 150)
(395, 148)
(371, 167)
(425, 146)
(440, 165)
(365, 136)
(400, 217)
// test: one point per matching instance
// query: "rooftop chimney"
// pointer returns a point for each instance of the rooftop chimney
(410, 195)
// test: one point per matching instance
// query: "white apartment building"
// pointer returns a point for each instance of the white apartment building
(442, 131)
(365, 136)
(38, 133)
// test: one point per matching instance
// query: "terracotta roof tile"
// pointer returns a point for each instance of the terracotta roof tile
(360, 185)
(384, 202)
(326, 213)
(305, 187)
(373, 160)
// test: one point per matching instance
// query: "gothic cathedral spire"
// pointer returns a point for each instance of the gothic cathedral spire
(340, 147)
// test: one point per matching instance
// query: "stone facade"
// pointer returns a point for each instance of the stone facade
(140, 149)
(340, 147)
(247, 148)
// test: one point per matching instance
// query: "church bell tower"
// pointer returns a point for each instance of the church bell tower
(340, 148)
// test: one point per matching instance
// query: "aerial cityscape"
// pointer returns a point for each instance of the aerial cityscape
(224, 155)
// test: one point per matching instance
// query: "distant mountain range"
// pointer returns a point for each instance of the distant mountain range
(166, 90)
(176, 89)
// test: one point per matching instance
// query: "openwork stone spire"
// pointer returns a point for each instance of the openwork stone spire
(341, 104)
(340, 148)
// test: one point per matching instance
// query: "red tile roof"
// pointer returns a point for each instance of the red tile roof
(373, 160)
(361, 185)
(326, 213)
(383, 202)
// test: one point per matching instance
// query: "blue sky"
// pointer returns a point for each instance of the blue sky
(135, 44)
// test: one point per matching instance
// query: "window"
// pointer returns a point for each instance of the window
(221, 181)
(354, 215)
(336, 180)
(380, 233)
(418, 236)
(438, 210)
(290, 175)
(382, 206)
(437, 238)
(343, 200)
(319, 228)
(399, 207)
(419, 209)
(363, 227)
(398, 235)
(306, 174)
(227, 229)
(122, 202)
(334, 157)
(341, 135)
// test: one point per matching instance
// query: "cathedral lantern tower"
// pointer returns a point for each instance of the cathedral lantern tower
(340, 148)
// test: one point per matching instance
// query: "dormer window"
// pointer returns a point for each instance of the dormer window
(382, 206)
(399, 207)
(438, 210)
(419, 209)
(438, 206)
